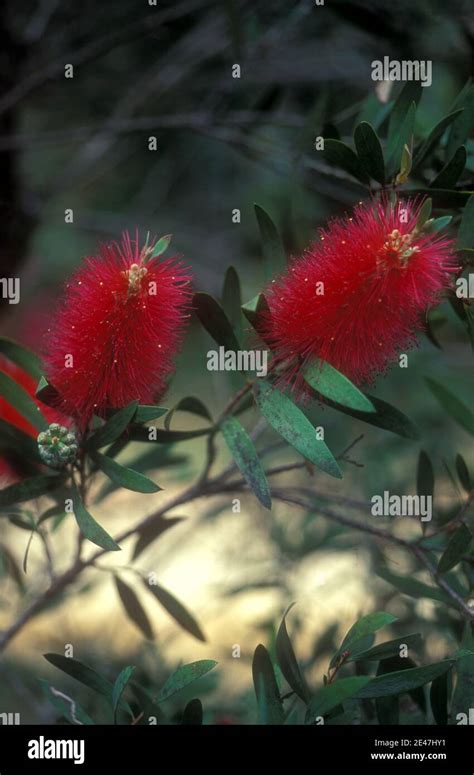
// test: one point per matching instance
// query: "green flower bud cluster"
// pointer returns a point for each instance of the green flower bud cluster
(57, 446)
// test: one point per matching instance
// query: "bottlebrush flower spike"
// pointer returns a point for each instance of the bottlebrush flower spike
(358, 295)
(118, 329)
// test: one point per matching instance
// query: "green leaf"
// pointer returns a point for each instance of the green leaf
(287, 661)
(270, 706)
(114, 427)
(85, 675)
(405, 166)
(439, 699)
(133, 608)
(424, 214)
(89, 528)
(332, 695)
(410, 93)
(385, 416)
(232, 300)
(402, 681)
(290, 422)
(370, 151)
(189, 404)
(396, 144)
(458, 545)
(274, 260)
(125, 477)
(119, 687)
(463, 124)
(390, 648)
(193, 713)
(16, 396)
(245, 456)
(437, 224)
(215, 321)
(463, 697)
(367, 625)
(152, 530)
(146, 413)
(436, 133)
(442, 197)
(465, 239)
(340, 155)
(184, 676)
(24, 358)
(452, 405)
(65, 705)
(414, 588)
(463, 473)
(452, 171)
(329, 382)
(161, 245)
(29, 488)
(176, 609)
(253, 310)
(425, 475)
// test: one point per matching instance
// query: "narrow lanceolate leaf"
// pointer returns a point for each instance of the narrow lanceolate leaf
(463, 473)
(245, 455)
(290, 422)
(458, 546)
(114, 427)
(385, 416)
(462, 126)
(184, 676)
(367, 625)
(329, 382)
(152, 531)
(402, 681)
(331, 695)
(269, 704)
(410, 93)
(452, 405)
(232, 300)
(176, 609)
(214, 320)
(123, 476)
(133, 608)
(390, 648)
(340, 155)
(193, 713)
(272, 247)
(119, 687)
(91, 529)
(397, 143)
(414, 588)
(425, 475)
(29, 488)
(436, 133)
(26, 359)
(17, 397)
(160, 436)
(465, 239)
(370, 151)
(425, 213)
(439, 699)
(288, 663)
(19, 443)
(452, 171)
(84, 674)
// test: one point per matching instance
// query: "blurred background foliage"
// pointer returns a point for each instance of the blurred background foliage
(222, 143)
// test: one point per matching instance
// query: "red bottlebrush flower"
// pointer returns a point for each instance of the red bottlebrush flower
(118, 329)
(358, 295)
